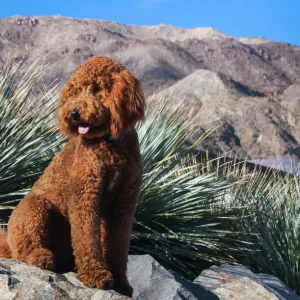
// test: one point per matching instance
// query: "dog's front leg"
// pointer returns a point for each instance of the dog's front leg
(85, 234)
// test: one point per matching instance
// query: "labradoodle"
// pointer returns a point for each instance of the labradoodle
(81, 209)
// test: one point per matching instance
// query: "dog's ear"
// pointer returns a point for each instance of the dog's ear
(126, 102)
(67, 91)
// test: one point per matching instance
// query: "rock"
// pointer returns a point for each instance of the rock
(151, 281)
(19, 281)
(72, 277)
(5, 284)
(237, 282)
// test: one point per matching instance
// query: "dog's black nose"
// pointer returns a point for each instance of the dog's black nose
(75, 114)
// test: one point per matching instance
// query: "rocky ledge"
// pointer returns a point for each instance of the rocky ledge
(149, 279)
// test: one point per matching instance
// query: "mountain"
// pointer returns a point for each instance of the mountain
(249, 87)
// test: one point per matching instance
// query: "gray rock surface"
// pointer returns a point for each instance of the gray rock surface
(19, 281)
(248, 86)
(151, 281)
(237, 282)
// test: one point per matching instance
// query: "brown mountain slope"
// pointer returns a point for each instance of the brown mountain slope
(251, 124)
(247, 85)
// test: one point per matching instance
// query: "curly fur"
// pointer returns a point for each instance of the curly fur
(82, 207)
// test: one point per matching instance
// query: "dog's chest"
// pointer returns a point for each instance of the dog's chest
(106, 163)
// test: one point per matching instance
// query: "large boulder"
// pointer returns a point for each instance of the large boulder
(151, 281)
(237, 282)
(19, 281)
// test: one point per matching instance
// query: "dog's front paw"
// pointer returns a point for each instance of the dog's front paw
(42, 258)
(101, 279)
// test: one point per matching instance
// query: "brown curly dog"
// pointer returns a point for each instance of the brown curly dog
(83, 205)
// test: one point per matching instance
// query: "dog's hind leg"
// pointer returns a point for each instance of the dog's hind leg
(4, 248)
(28, 232)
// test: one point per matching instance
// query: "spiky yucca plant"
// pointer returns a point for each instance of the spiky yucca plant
(28, 136)
(180, 217)
(192, 212)
(271, 224)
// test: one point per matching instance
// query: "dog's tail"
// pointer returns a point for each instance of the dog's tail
(4, 247)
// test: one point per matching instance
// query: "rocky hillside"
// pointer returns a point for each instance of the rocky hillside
(250, 87)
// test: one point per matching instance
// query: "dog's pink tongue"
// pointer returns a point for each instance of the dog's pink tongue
(83, 129)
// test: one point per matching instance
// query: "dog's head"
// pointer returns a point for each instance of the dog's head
(101, 97)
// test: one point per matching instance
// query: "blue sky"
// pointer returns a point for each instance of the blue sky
(274, 19)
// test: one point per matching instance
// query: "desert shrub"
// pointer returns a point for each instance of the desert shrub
(271, 223)
(194, 212)
(28, 135)
(181, 216)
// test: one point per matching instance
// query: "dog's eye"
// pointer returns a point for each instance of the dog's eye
(97, 89)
